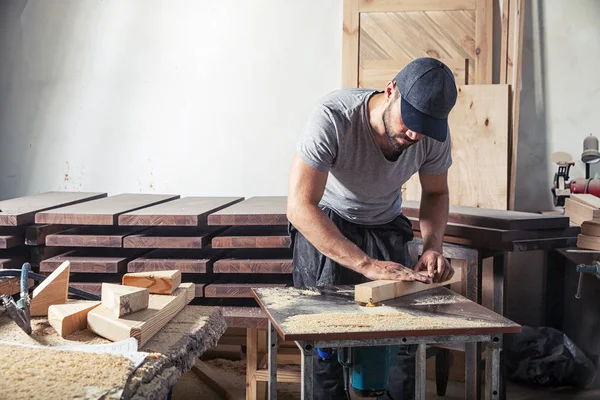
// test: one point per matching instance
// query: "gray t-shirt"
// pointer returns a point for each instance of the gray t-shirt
(362, 186)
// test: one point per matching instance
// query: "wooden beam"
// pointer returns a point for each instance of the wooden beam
(53, 290)
(350, 43)
(142, 325)
(157, 282)
(381, 290)
(415, 5)
(124, 300)
(67, 319)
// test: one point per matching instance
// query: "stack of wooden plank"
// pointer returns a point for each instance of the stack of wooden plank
(584, 211)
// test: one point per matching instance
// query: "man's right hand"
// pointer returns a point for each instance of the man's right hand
(388, 270)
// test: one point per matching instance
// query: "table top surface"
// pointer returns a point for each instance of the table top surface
(332, 314)
(173, 350)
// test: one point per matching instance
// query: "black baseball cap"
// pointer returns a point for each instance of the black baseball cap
(428, 94)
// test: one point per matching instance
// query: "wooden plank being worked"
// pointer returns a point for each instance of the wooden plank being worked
(498, 219)
(94, 260)
(173, 237)
(381, 290)
(142, 325)
(188, 211)
(102, 211)
(22, 210)
(36, 234)
(253, 237)
(250, 261)
(91, 236)
(157, 282)
(259, 210)
(187, 261)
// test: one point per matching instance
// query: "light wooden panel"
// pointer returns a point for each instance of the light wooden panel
(479, 132)
(458, 32)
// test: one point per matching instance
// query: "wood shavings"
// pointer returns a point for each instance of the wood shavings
(373, 321)
(436, 300)
(31, 373)
(277, 298)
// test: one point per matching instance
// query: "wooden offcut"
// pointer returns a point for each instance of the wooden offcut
(144, 324)
(380, 290)
(479, 126)
(12, 285)
(168, 237)
(124, 300)
(22, 210)
(157, 282)
(67, 319)
(259, 210)
(188, 211)
(91, 236)
(103, 211)
(53, 290)
(253, 237)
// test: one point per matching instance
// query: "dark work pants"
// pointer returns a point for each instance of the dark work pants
(311, 269)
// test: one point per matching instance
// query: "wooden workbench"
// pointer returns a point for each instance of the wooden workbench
(173, 351)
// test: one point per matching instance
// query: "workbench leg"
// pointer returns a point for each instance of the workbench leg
(473, 349)
(272, 362)
(251, 362)
(498, 306)
(307, 369)
(492, 369)
(421, 372)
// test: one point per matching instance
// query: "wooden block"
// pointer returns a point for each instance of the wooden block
(188, 211)
(91, 236)
(124, 300)
(585, 198)
(579, 212)
(259, 210)
(588, 242)
(22, 210)
(142, 325)
(590, 228)
(53, 290)
(67, 319)
(157, 282)
(381, 290)
(253, 237)
(103, 211)
(168, 237)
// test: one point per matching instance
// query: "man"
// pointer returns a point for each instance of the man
(344, 198)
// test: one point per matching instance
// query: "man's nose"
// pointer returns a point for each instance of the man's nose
(414, 135)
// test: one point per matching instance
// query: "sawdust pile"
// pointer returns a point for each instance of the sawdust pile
(277, 298)
(32, 373)
(369, 322)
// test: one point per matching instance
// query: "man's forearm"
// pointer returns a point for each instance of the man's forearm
(312, 222)
(433, 217)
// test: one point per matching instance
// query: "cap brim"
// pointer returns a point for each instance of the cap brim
(424, 124)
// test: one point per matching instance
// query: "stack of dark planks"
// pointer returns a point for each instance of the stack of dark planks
(501, 230)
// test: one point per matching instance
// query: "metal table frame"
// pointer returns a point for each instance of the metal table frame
(493, 345)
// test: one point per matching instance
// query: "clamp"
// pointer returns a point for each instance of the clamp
(586, 269)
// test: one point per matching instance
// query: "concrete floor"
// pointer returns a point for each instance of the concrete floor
(191, 387)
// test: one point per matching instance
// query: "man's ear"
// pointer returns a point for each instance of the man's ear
(390, 90)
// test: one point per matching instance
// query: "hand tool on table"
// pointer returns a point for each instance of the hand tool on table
(586, 269)
(18, 310)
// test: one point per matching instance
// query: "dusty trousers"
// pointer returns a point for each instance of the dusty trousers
(311, 268)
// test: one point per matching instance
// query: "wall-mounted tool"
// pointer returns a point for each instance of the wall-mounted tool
(586, 269)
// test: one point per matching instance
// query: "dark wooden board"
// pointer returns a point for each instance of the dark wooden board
(93, 260)
(254, 261)
(199, 289)
(468, 317)
(245, 317)
(498, 219)
(90, 287)
(188, 211)
(41, 253)
(235, 290)
(22, 210)
(14, 258)
(253, 237)
(173, 237)
(258, 210)
(92, 236)
(103, 211)
(196, 261)
(11, 236)
(36, 234)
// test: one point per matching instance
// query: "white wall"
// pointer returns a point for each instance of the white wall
(168, 96)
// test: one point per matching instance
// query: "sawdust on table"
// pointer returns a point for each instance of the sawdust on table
(439, 299)
(276, 298)
(37, 373)
(374, 319)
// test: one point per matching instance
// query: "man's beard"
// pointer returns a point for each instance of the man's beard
(397, 147)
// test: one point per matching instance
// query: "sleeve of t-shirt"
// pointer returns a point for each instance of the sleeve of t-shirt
(439, 157)
(318, 144)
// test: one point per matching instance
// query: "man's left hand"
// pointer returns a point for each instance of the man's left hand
(437, 267)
